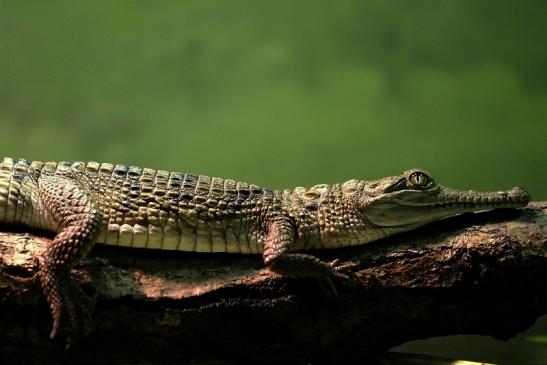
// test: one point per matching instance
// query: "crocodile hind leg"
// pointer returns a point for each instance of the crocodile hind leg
(278, 258)
(80, 222)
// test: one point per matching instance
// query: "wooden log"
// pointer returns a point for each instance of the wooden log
(482, 273)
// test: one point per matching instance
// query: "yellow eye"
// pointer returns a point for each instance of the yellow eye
(419, 180)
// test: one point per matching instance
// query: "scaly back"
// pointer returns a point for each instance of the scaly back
(142, 207)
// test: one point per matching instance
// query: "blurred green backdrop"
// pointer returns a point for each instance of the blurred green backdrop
(285, 93)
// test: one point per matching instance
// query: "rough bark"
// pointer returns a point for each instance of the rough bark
(483, 273)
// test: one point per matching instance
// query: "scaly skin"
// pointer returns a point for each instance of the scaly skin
(85, 203)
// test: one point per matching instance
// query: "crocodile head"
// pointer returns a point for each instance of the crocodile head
(414, 199)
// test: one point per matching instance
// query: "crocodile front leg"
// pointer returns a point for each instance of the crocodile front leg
(80, 222)
(277, 256)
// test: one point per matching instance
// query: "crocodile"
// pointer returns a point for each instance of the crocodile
(85, 203)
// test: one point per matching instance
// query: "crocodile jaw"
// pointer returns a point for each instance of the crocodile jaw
(414, 208)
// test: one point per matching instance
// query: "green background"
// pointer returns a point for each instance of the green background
(287, 93)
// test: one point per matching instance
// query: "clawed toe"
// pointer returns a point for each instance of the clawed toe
(344, 272)
(342, 268)
(327, 285)
(336, 274)
(85, 306)
(79, 312)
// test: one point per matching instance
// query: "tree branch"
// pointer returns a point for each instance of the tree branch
(480, 273)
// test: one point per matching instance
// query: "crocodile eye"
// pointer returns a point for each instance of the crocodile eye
(419, 180)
